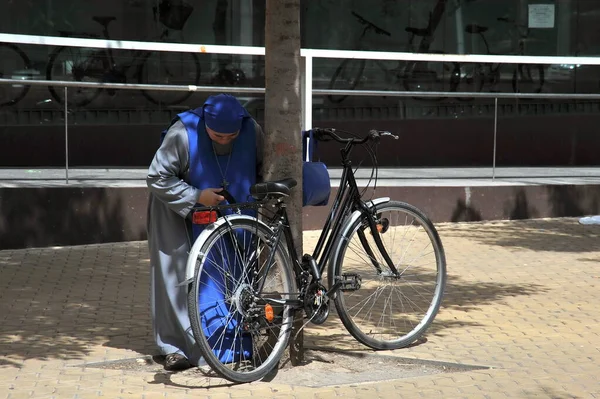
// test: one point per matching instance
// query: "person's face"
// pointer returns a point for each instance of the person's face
(221, 138)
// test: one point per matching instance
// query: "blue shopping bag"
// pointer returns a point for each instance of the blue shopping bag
(316, 185)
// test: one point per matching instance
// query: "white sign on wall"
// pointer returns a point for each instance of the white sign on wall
(541, 16)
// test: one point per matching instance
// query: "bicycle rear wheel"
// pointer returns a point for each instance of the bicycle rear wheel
(14, 64)
(240, 330)
(79, 65)
(387, 311)
(168, 68)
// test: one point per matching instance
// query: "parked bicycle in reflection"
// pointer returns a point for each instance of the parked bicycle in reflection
(526, 78)
(149, 67)
(107, 65)
(424, 76)
(408, 75)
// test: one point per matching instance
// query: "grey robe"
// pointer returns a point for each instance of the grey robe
(171, 199)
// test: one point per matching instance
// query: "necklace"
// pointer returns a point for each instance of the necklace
(224, 183)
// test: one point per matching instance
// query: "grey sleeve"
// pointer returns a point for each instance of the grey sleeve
(168, 169)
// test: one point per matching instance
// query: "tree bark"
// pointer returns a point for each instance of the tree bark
(283, 118)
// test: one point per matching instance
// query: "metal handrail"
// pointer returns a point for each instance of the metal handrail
(316, 92)
(132, 86)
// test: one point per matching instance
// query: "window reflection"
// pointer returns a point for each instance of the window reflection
(504, 27)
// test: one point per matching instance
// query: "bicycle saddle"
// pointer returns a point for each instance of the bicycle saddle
(104, 21)
(472, 28)
(278, 188)
(417, 31)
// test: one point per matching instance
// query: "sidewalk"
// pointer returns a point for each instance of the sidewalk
(522, 300)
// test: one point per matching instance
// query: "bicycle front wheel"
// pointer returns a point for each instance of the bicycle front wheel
(236, 302)
(15, 64)
(168, 68)
(381, 309)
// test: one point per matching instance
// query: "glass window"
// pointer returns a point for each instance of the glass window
(231, 22)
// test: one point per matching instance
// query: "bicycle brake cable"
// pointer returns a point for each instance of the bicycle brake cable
(374, 170)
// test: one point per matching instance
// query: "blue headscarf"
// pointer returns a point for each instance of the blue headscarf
(223, 113)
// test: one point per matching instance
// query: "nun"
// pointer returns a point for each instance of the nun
(205, 150)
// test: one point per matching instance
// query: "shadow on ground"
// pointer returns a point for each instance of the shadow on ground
(73, 302)
(556, 235)
(68, 303)
(463, 295)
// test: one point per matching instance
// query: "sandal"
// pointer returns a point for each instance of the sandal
(176, 362)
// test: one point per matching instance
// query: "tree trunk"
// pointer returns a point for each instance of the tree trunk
(283, 118)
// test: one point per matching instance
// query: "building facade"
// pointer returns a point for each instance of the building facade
(121, 127)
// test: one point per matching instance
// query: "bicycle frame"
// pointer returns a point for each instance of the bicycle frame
(136, 55)
(347, 200)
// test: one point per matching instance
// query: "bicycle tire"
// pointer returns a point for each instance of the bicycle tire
(19, 94)
(523, 78)
(160, 97)
(371, 333)
(341, 73)
(203, 305)
(78, 96)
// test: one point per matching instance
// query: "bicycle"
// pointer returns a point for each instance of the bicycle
(525, 78)
(14, 62)
(246, 281)
(72, 63)
(412, 75)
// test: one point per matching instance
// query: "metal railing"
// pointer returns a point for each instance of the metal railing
(308, 56)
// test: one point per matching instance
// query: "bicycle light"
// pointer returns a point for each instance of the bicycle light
(204, 217)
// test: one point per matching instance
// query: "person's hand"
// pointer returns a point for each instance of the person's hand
(210, 197)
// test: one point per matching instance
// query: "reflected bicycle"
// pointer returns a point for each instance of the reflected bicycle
(526, 78)
(414, 76)
(102, 66)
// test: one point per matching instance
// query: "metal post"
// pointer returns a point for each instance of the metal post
(307, 78)
(495, 133)
(66, 138)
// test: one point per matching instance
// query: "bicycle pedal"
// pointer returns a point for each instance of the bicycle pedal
(349, 282)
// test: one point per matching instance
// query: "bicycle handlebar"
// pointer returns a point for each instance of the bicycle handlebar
(371, 25)
(323, 134)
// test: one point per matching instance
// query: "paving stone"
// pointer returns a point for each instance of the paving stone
(522, 297)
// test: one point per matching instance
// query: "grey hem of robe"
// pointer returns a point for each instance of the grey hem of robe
(171, 199)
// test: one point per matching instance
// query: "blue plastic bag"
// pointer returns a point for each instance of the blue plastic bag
(316, 184)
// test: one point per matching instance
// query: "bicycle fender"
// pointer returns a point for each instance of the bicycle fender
(194, 253)
(356, 214)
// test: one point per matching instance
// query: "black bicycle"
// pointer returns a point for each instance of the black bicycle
(246, 280)
(150, 67)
